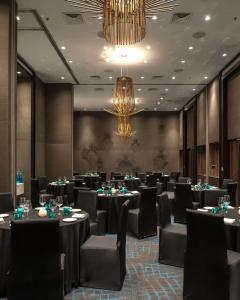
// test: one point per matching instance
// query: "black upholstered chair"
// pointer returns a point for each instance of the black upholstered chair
(6, 202)
(226, 181)
(42, 184)
(142, 177)
(142, 221)
(172, 236)
(211, 197)
(232, 192)
(118, 177)
(174, 176)
(36, 270)
(211, 272)
(183, 200)
(151, 180)
(103, 176)
(113, 174)
(87, 200)
(103, 260)
(184, 179)
(69, 197)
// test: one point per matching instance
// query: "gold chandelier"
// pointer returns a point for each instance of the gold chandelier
(124, 21)
(124, 128)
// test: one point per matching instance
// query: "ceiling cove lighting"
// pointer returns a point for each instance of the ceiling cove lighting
(124, 22)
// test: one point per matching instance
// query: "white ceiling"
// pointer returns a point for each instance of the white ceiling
(169, 45)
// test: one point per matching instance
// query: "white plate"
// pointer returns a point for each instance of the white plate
(208, 207)
(69, 220)
(135, 192)
(203, 210)
(229, 221)
(4, 215)
(76, 210)
(78, 216)
(38, 208)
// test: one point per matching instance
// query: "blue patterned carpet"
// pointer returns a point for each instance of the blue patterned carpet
(145, 279)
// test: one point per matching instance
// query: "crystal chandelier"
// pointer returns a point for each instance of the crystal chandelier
(124, 128)
(124, 21)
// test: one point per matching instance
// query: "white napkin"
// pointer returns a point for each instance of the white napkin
(2, 220)
(101, 194)
(78, 216)
(208, 207)
(134, 192)
(229, 221)
(201, 209)
(128, 194)
(230, 207)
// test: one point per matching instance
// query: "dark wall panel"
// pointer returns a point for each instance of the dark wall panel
(59, 124)
(40, 128)
(213, 112)
(181, 130)
(234, 107)
(201, 119)
(190, 129)
(154, 147)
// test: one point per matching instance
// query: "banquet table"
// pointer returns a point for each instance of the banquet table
(112, 204)
(232, 230)
(72, 236)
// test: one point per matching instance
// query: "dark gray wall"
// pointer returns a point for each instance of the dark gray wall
(234, 107)
(23, 130)
(155, 146)
(40, 169)
(59, 124)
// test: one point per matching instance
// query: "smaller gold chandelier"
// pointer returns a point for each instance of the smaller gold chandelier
(124, 128)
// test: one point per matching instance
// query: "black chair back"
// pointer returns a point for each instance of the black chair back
(183, 200)
(42, 183)
(232, 191)
(147, 205)
(205, 265)
(225, 182)
(70, 193)
(35, 271)
(211, 197)
(34, 192)
(158, 175)
(174, 176)
(142, 177)
(118, 177)
(6, 202)
(151, 180)
(87, 200)
(113, 174)
(164, 210)
(103, 177)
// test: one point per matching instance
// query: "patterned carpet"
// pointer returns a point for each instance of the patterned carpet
(145, 279)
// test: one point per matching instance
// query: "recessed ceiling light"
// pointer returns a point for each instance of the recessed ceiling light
(110, 77)
(19, 72)
(105, 47)
(62, 77)
(161, 98)
(154, 18)
(207, 18)
(63, 47)
(190, 48)
(18, 18)
(166, 90)
(158, 103)
(193, 90)
(148, 47)
(70, 61)
(100, 17)
(107, 60)
(145, 61)
(183, 61)
(206, 77)
(139, 90)
(142, 77)
(173, 78)
(175, 108)
(224, 54)
(155, 108)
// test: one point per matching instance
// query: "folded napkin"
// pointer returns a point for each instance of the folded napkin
(78, 216)
(201, 209)
(134, 192)
(230, 207)
(2, 220)
(229, 221)
(208, 207)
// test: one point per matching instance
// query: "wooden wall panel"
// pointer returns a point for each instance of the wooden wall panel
(213, 112)
(190, 129)
(201, 119)
(181, 130)
(59, 130)
(201, 162)
(214, 162)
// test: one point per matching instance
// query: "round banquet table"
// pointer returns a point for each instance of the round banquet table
(72, 236)
(112, 204)
(232, 230)
(132, 184)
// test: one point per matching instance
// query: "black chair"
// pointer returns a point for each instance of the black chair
(226, 181)
(103, 176)
(87, 200)
(232, 192)
(174, 176)
(172, 236)
(151, 180)
(143, 221)
(142, 177)
(211, 197)
(69, 197)
(118, 177)
(6, 202)
(103, 260)
(42, 184)
(36, 270)
(158, 175)
(184, 179)
(211, 272)
(183, 200)
(113, 174)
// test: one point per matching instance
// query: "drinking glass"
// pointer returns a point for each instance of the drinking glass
(42, 200)
(27, 206)
(221, 202)
(53, 204)
(189, 180)
(59, 201)
(226, 199)
(21, 202)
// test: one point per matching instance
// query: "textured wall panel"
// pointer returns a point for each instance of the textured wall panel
(234, 107)
(201, 119)
(213, 111)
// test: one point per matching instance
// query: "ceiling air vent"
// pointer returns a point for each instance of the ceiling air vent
(181, 18)
(95, 77)
(152, 89)
(157, 77)
(73, 18)
(99, 89)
